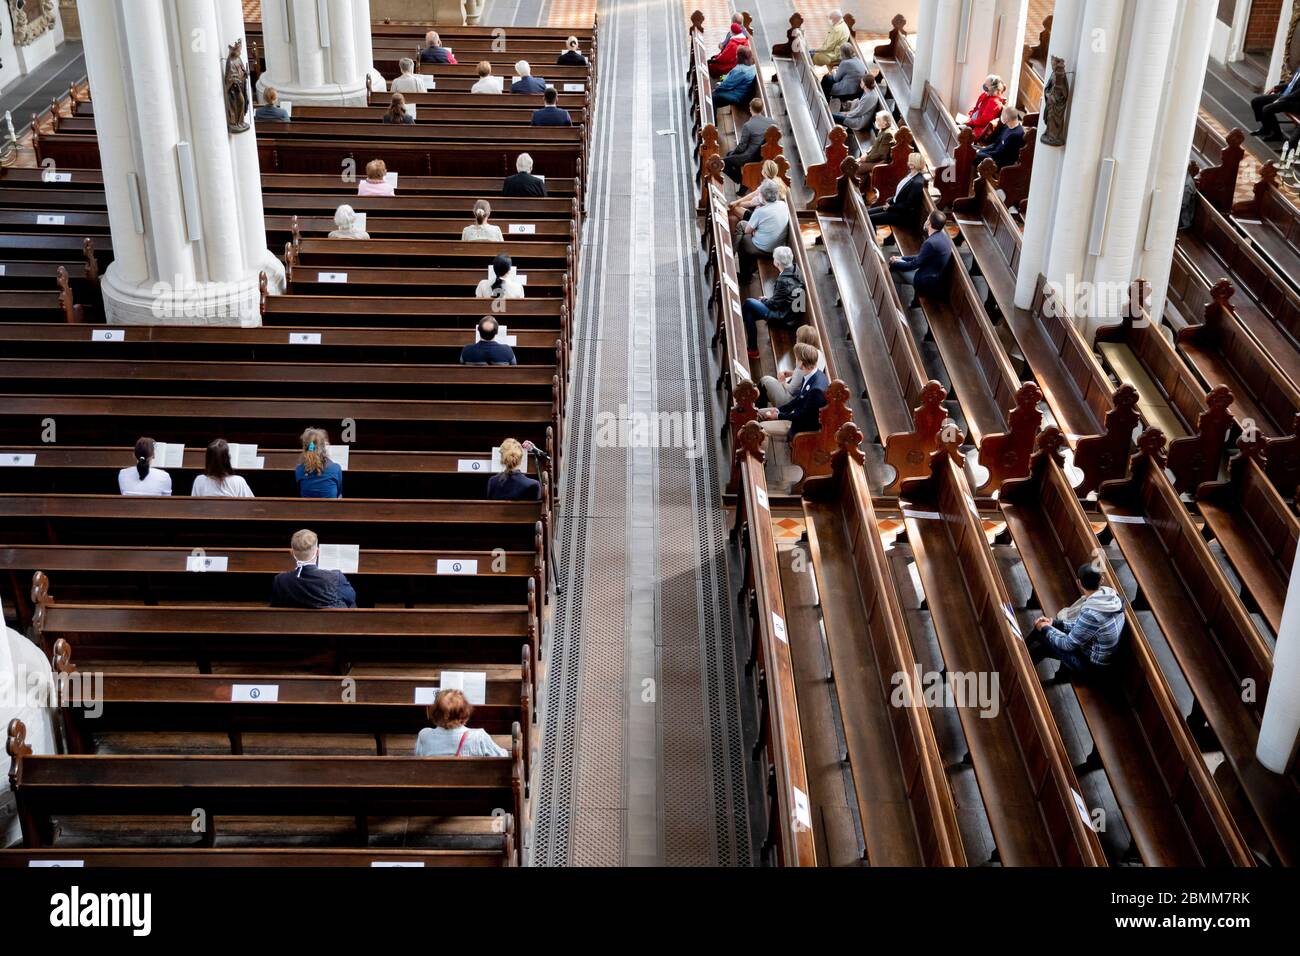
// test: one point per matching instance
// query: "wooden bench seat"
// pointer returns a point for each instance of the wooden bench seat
(326, 312)
(819, 142)
(1272, 221)
(452, 282)
(127, 857)
(530, 254)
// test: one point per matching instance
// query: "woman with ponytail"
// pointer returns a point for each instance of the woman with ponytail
(502, 285)
(482, 230)
(318, 476)
(143, 478)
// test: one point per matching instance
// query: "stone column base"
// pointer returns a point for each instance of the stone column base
(205, 303)
(332, 94)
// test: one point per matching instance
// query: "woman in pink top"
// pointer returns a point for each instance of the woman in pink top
(374, 184)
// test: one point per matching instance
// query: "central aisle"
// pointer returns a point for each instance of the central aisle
(643, 761)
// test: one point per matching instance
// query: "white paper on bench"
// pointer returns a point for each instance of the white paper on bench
(502, 336)
(1126, 519)
(339, 557)
(1082, 807)
(522, 228)
(730, 283)
(1011, 617)
(201, 562)
(255, 693)
(426, 83)
(473, 464)
(921, 515)
(778, 626)
(360, 223)
(802, 821)
(287, 106)
(56, 862)
(573, 87)
(416, 863)
(52, 177)
(304, 338)
(331, 277)
(521, 278)
(457, 566)
(2, 268)
(391, 178)
(108, 335)
(425, 695)
(473, 684)
(341, 454)
(742, 373)
(761, 495)
(18, 461)
(496, 461)
(245, 456)
(47, 220)
(169, 454)
(410, 110)
(974, 508)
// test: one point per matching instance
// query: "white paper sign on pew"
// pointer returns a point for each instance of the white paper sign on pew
(56, 863)
(473, 684)
(50, 176)
(287, 106)
(427, 84)
(502, 336)
(108, 335)
(255, 693)
(512, 274)
(474, 464)
(457, 566)
(245, 456)
(801, 812)
(573, 87)
(522, 228)
(339, 557)
(341, 454)
(169, 454)
(425, 695)
(496, 461)
(205, 562)
(2, 268)
(391, 179)
(361, 221)
(304, 338)
(44, 219)
(415, 863)
(18, 461)
(332, 277)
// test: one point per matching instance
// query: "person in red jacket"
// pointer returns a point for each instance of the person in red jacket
(983, 119)
(720, 63)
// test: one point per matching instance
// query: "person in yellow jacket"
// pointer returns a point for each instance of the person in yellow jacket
(828, 54)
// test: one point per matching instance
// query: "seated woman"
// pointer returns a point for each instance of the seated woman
(486, 82)
(744, 207)
(572, 55)
(219, 479)
(317, 475)
(143, 478)
(502, 285)
(481, 230)
(397, 111)
(738, 87)
(449, 737)
(511, 484)
(779, 390)
(881, 149)
(347, 224)
(375, 184)
(721, 62)
(983, 118)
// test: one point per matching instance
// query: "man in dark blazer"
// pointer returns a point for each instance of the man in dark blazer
(803, 412)
(308, 586)
(749, 142)
(1280, 99)
(434, 51)
(527, 83)
(907, 205)
(927, 271)
(1005, 147)
(487, 351)
(550, 114)
(524, 183)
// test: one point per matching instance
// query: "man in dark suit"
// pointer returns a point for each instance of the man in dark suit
(1005, 148)
(434, 51)
(908, 203)
(749, 142)
(550, 114)
(803, 412)
(1280, 99)
(927, 271)
(487, 351)
(780, 307)
(308, 586)
(527, 83)
(524, 183)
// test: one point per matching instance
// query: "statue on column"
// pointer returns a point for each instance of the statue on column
(1056, 101)
(235, 86)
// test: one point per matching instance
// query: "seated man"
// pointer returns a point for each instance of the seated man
(927, 271)
(1085, 636)
(844, 82)
(1280, 99)
(407, 81)
(434, 51)
(782, 306)
(766, 229)
(550, 114)
(801, 413)
(907, 205)
(1004, 149)
(738, 87)
(271, 111)
(749, 142)
(527, 83)
(487, 351)
(828, 54)
(307, 586)
(524, 183)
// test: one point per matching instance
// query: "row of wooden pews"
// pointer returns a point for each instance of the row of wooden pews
(220, 730)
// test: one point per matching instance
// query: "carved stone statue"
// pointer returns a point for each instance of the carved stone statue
(31, 19)
(235, 86)
(1056, 101)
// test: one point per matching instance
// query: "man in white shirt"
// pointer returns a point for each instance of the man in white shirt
(766, 229)
(407, 82)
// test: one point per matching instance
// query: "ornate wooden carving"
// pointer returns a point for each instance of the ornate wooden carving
(1007, 455)
(823, 178)
(909, 453)
(812, 451)
(1104, 457)
(1196, 458)
(1218, 184)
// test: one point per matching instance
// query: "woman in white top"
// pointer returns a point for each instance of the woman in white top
(407, 81)
(143, 478)
(502, 286)
(781, 390)
(449, 737)
(345, 219)
(487, 83)
(482, 230)
(219, 479)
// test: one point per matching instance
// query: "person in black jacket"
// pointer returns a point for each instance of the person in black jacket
(803, 412)
(787, 298)
(524, 183)
(487, 351)
(572, 56)
(1280, 99)
(511, 484)
(307, 586)
(927, 271)
(550, 114)
(1005, 147)
(908, 203)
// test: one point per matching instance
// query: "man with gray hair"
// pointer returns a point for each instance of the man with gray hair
(434, 51)
(407, 81)
(828, 54)
(524, 183)
(845, 80)
(527, 83)
(782, 307)
(766, 229)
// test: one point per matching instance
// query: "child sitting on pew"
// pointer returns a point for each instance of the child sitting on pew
(1084, 636)
(308, 586)
(317, 475)
(219, 479)
(143, 478)
(375, 184)
(449, 737)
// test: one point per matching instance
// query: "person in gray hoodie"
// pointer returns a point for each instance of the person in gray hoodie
(1085, 636)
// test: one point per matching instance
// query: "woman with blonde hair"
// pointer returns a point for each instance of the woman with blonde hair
(481, 230)
(511, 484)
(486, 82)
(572, 55)
(375, 184)
(449, 736)
(780, 390)
(742, 208)
(346, 224)
(318, 476)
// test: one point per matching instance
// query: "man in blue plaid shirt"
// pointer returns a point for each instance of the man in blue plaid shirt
(1085, 635)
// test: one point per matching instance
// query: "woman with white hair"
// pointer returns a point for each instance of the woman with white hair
(572, 55)
(527, 83)
(407, 81)
(786, 304)
(743, 208)
(984, 117)
(882, 141)
(766, 229)
(347, 224)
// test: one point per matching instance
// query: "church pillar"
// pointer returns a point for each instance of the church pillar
(183, 193)
(1009, 46)
(926, 18)
(311, 50)
(1281, 725)
(974, 53)
(943, 57)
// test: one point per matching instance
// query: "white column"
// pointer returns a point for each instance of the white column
(1279, 45)
(943, 57)
(183, 193)
(924, 55)
(1047, 166)
(365, 47)
(310, 49)
(1182, 104)
(1281, 724)
(1012, 17)
(976, 54)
